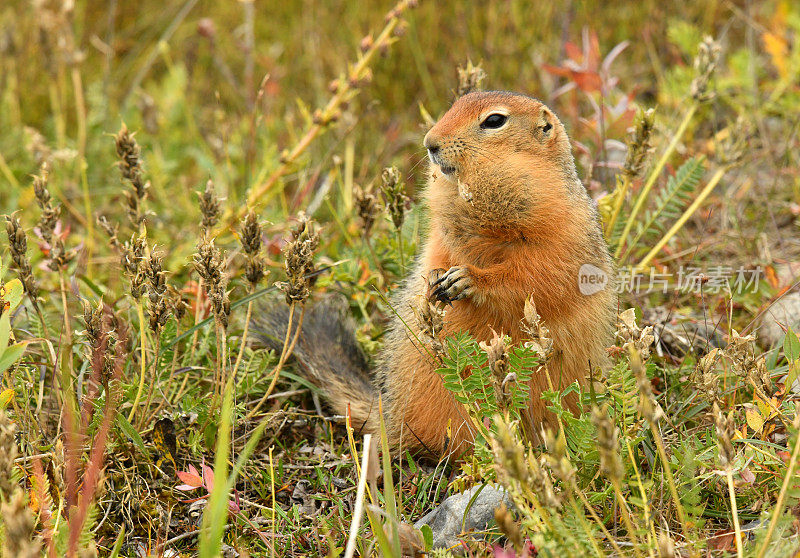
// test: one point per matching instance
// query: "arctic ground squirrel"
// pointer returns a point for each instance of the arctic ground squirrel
(508, 220)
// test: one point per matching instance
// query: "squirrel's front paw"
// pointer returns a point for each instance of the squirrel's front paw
(456, 283)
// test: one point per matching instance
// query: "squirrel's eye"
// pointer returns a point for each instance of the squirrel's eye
(494, 120)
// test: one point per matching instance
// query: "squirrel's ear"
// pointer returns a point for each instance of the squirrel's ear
(544, 125)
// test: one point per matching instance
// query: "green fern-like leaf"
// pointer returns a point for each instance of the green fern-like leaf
(671, 200)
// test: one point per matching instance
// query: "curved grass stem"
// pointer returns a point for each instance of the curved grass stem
(143, 371)
(698, 201)
(288, 347)
(651, 179)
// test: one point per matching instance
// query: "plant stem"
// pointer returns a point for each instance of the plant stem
(735, 512)
(244, 338)
(153, 380)
(622, 190)
(285, 353)
(586, 528)
(197, 309)
(136, 399)
(781, 497)
(662, 453)
(626, 517)
(654, 174)
(698, 201)
(400, 249)
(588, 505)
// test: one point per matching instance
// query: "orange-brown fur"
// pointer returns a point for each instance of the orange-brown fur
(521, 226)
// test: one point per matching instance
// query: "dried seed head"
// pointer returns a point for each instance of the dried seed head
(178, 304)
(632, 336)
(430, 318)
(509, 456)
(93, 320)
(209, 264)
(250, 236)
(734, 146)
(50, 214)
(557, 458)
(704, 65)
(110, 230)
(497, 360)
(742, 352)
(299, 261)
(209, 207)
(470, 78)
(157, 289)
(367, 207)
(8, 453)
(639, 146)
(542, 485)
(725, 431)
(538, 333)
(497, 355)
(394, 196)
(509, 527)
(59, 256)
(648, 406)
(705, 377)
(109, 358)
(132, 262)
(19, 540)
(608, 444)
(130, 165)
(18, 244)
(759, 376)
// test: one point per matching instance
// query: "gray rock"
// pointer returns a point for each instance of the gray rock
(448, 521)
(785, 311)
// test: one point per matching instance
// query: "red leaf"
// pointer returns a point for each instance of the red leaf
(208, 477)
(556, 70)
(722, 540)
(587, 81)
(747, 476)
(191, 479)
(573, 51)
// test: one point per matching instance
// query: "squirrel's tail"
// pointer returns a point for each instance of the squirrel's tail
(326, 352)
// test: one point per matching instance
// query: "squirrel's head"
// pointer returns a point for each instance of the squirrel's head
(496, 133)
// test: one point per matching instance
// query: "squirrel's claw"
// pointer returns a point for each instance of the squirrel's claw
(455, 284)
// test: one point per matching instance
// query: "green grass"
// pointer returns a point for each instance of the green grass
(242, 95)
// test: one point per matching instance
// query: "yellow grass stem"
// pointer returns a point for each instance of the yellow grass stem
(358, 512)
(673, 489)
(625, 512)
(621, 192)
(654, 174)
(153, 381)
(698, 201)
(272, 488)
(735, 512)
(288, 347)
(243, 342)
(140, 311)
(781, 497)
(588, 505)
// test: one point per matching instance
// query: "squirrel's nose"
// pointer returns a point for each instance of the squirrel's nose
(431, 144)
